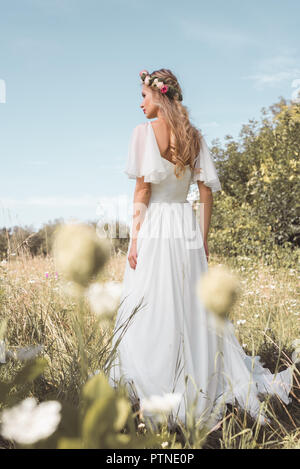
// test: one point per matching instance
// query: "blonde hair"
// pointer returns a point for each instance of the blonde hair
(185, 139)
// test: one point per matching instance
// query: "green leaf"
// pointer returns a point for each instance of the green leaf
(98, 422)
(70, 443)
(31, 371)
(123, 409)
(96, 387)
(4, 390)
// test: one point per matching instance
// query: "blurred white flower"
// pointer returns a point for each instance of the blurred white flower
(164, 444)
(104, 298)
(79, 252)
(161, 404)
(296, 355)
(296, 352)
(218, 288)
(241, 321)
(29, 422)
(296, 343)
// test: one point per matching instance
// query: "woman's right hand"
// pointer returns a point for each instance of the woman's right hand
(206, 249)
(132, 256)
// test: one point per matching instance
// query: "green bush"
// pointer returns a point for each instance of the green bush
(257, 211)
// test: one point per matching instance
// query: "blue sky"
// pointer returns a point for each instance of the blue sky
(71, 73)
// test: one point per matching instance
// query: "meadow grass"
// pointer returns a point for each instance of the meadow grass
(38, 310)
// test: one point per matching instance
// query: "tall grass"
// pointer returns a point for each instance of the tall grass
(38, 310)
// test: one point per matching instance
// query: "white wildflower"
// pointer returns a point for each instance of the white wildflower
(218, 288)
(104, 298)
(296, 352)
(296, 355)
(79, 252)
(241, 321)
(161, 404)
(160, 84)
(164, 444)
(29, 422)
(296, 343)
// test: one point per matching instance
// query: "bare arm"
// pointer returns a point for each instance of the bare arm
(141, 199)
(206, 204)
(142, 194)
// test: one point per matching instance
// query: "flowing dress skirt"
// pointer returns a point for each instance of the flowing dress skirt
(166, 340)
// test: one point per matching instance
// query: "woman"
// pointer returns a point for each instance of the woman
(166, 341)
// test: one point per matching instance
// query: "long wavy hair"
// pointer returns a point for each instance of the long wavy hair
(185, 138)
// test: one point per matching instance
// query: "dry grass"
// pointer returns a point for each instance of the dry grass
(39, 312)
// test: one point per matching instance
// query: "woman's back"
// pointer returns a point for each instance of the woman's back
(170, 188)
(162, 135)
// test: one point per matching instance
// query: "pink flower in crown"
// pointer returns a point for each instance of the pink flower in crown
(164, 89)
(147, 80)
(144, 71)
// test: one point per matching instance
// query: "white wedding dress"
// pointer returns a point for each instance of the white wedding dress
(165, 339)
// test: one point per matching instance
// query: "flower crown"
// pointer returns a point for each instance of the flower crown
(158, 83)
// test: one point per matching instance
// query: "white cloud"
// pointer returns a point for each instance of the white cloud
(275, 70)
(263, 79)
(279, 61)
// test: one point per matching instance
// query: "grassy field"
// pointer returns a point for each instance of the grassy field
(38, 310)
